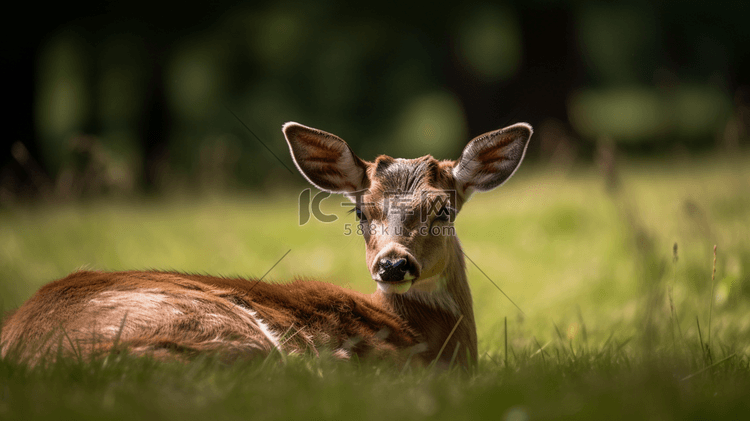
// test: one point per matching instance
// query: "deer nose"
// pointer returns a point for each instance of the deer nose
(393, 270)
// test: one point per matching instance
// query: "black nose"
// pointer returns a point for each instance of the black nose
(393, 270)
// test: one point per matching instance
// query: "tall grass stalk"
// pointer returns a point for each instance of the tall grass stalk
(711, 303)
(506, 341)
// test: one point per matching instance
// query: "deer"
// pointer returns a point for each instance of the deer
(421, 311)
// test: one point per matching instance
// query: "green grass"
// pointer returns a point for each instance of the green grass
(593, 270)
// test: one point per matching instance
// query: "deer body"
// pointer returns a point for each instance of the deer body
(421, 310)
(176, 314)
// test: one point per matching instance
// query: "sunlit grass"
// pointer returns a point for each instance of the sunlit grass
(598, 338)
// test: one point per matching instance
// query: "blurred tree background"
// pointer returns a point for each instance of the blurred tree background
(131, 97)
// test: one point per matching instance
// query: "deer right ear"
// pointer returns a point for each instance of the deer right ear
(325, 160)
(491, 159)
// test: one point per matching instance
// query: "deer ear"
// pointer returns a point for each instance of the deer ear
(325, 160)
(490, 159)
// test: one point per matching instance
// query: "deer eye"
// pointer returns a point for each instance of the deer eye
(361, 216)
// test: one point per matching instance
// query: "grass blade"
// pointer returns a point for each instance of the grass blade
(450, 335)
(506, 341)
(708, 367)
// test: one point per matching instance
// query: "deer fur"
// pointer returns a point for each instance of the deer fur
(422, 305)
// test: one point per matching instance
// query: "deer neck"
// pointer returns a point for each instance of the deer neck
(434, 312)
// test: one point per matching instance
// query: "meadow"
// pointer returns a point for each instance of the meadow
(621, 309)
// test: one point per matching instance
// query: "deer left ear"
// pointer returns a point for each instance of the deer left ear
(491, 159)
(325, 160)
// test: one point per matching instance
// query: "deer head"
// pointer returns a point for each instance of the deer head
(406, 207)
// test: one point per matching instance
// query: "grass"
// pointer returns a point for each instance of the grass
(610, 323)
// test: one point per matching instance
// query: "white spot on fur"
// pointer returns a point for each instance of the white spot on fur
(264, 328)
(342, 354)
(146, 298)
(133, 306)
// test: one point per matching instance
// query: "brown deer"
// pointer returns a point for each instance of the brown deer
(421, 311)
